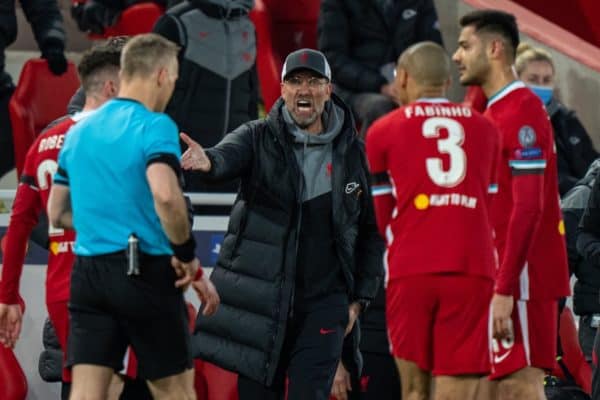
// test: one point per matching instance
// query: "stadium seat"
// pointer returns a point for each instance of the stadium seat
(139, 18)
(222, 384)
(281, 29)
(573, 357)
(14, 383)
(39, 98)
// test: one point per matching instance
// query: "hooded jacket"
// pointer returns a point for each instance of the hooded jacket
(256, 273)
(217, 88)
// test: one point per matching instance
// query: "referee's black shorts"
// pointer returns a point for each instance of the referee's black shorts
(110, 310)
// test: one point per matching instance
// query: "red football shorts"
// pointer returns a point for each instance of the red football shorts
(440, 322)
(535, 327)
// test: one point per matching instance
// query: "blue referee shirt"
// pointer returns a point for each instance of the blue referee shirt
(103, 161)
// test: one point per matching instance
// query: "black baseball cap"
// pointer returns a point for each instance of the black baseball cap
(310, 59)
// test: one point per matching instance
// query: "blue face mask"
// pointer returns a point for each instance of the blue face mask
(543, 92)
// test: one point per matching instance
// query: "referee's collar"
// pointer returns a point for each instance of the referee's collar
(130, 100)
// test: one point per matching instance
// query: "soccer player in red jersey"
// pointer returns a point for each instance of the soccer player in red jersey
(533, 271)
(98, 71)
(432, 164)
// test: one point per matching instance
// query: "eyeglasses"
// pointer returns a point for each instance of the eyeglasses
(313, 83)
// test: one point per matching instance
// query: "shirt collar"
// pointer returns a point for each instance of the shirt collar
(514, 85)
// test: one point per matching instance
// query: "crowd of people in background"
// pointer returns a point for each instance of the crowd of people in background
(378, 228)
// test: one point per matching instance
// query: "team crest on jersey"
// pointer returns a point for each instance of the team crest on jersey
(527, 136)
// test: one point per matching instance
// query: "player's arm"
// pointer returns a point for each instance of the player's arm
(24, 217)
(26, 209)
(528, 201)
(381, 185)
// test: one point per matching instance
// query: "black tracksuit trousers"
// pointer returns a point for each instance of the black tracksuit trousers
(309, 356)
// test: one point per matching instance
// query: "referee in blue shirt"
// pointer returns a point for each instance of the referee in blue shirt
(118, 185)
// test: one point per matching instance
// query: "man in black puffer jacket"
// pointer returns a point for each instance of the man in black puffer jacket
(363, 39)
(302, 256)
(588, 245)
(47, 24)
(587, 287)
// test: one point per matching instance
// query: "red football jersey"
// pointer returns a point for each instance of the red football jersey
(537, 269)
(31, 199)
(432, 164)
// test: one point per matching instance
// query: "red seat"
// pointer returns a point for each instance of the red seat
(39, 98)
(14, 383)
(281, 29)
(573, 357)
(139, 18)
(222, 384)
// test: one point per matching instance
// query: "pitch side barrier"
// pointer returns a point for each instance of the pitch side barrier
(208, 229)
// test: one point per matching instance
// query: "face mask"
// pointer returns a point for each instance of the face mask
(543, 92)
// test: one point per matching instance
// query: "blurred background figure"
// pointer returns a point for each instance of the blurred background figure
(95, 16)
(47, 25)
(574, 149)
(217, 89)
(363, 39)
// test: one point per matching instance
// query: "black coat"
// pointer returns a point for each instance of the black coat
(574, 149)
(588, 239)
(573, 204)
(255, 272)
(46, 22)
(359, 36)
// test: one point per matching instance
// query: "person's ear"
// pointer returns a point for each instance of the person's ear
(402, 78)
(162, 76)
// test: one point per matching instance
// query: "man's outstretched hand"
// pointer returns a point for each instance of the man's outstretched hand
(194, 158)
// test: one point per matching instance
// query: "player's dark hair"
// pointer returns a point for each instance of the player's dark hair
(494, 21)
(98, 59)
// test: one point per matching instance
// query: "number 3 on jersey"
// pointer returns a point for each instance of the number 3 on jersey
(45, 172)
(451, 146)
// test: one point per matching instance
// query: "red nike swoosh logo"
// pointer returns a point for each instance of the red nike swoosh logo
(324, 331)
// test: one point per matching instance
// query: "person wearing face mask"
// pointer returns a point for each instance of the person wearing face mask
(574, 149)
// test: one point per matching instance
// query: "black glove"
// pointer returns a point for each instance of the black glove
(93, 17)
(56, 59)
